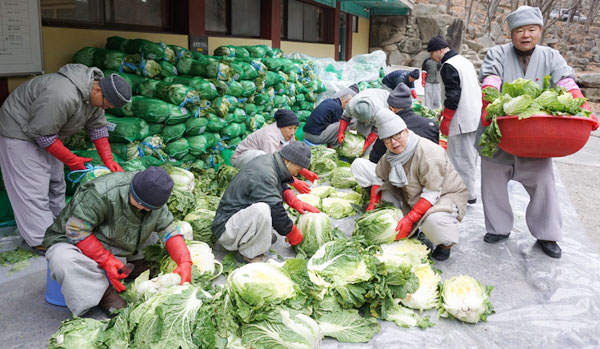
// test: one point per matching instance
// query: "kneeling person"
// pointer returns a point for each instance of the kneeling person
(113, 215)
(252, 204)
(416, 175)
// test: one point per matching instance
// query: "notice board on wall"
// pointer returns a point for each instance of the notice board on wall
(20, 38)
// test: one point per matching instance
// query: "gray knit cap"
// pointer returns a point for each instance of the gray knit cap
(524, 15)
(296, 152)
(116, 90)
(400, 97)
(388, 123)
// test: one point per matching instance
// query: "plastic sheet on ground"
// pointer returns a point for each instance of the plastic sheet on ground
(337, 75)
(539, 301)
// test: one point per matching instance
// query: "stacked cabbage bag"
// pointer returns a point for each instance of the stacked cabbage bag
(199, 105)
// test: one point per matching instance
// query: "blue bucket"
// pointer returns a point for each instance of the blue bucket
(309, 143)
(53, 294)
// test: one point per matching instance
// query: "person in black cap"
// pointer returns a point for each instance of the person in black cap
(408, 77)
(400, 102)
(270, 139)
(460, 117)
(34, 119)
(252, 205)
(109, 221)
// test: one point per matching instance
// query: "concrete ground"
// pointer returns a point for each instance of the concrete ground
(28, 321)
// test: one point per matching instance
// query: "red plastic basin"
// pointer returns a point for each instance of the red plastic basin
(544, 136)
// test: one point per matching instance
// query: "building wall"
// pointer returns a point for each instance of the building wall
(311, 49)
(360, 40)
(59, 45)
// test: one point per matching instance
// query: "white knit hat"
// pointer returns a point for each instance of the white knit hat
(524, 15)
(388, 123)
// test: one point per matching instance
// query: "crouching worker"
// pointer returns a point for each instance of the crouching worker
(416, 175)
(252, 205)
(270, 139)
(110, 220)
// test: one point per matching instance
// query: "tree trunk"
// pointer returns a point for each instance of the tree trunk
(591, 15)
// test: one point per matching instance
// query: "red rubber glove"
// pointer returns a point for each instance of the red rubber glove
(423, 76)
(290, 198)
(484, 105)
(446, 116)
(300, 186)
(372, 137)
(375, 197)
(92, 248)
(294, 237)
(342, 130)
(103, 149)
(413, 94)
(405, 224)
(310, 175)
(181, 255)
(59, 151)
(576, 93)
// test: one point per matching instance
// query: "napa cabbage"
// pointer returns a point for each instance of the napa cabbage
(352, 146)
(316, 228)
(337, 208)
(427, 295)
(379, 225)
(465, 299)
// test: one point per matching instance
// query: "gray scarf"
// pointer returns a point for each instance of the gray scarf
(397, 175)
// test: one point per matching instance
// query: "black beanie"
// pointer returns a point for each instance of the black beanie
(286, 117)
(436, 43)
(415, 74)
(116, 90)
(152, 187)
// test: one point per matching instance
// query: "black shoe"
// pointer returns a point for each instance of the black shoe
(493, 238)
(245, 260)
(421, 237)
(441, 252)
(550, 248)
(273, 238)
(472, 201)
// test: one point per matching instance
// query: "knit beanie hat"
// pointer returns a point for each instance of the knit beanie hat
(296, 152)
(362, 111)
(388, 123)
(524, 15)
(415, 74)
(116, 90)
(286, 117)
(400, 97)
(152, 187)
(436, 43)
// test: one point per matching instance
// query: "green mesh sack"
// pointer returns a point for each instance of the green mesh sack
(279, 101)
(172, 132)
(169, 53)
(280, 89)
(320, 87)
(300, 98)
(231, 51)
(180, 52)
(250, 109)
(221, 86)
(188, 158)
(212, 138)
(215, 123)
(177, 115)
(233, 102)
(255, 122)
(271, 79)
(215, 69)
(195, 126)
(150, 109)
(110, 59)
(153, 146)
(191, 66)
(248, 88)
(261, 99)
(132, 165)
(175, 93)
(85, 56)
(198, 144)
(125, 110)
(293, 76)
(244, 71)
(238, 115)
(303, 115)
(116, 43)
(126, 151)
(149, 68)
(126, 129)
(258, 51)
(234, 88)
(148, 161)
(220, 106)
(155, 128)
(287, 65)
(204, 88)
(178, 148)
(273, 64)
(149, 49)
(233, 130)
(167, 69)
(306, 105)
(147, 88)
